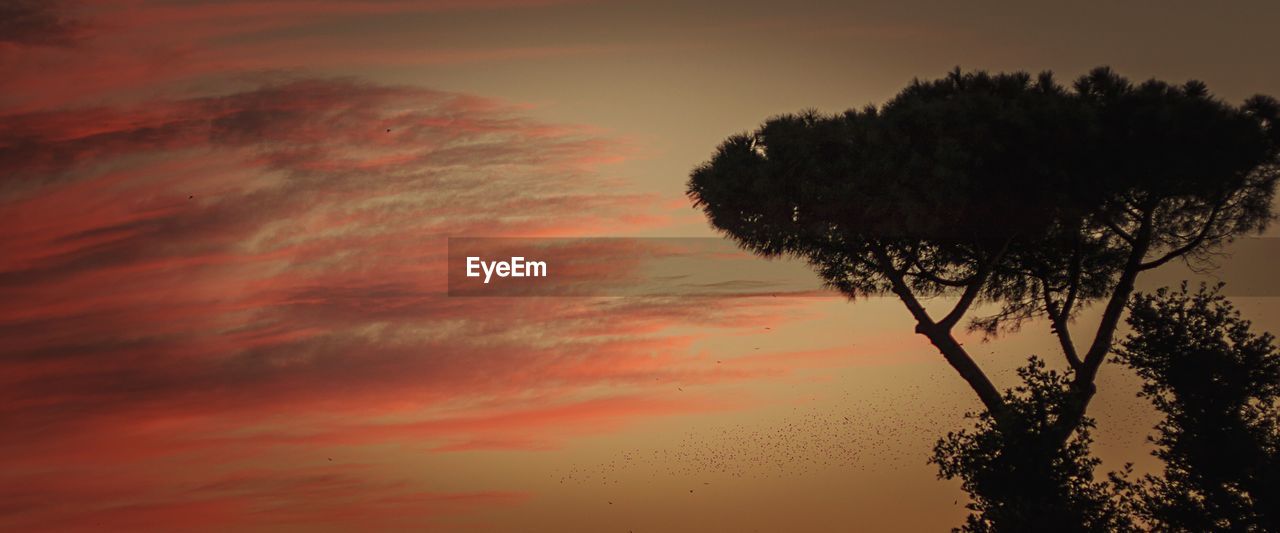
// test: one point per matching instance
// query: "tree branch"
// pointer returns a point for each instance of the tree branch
(930, 276)
(972, 291)
(1062, 318)
(1082, 385)
(900, 287)
(1058, 324)
(941, 338)
(1181, 250)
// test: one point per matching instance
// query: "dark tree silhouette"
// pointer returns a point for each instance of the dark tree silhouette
(1218, 385)
(1036, 198)
(1022, 479)
(1002, 188)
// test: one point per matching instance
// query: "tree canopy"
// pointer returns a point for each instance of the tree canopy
(1004, 188)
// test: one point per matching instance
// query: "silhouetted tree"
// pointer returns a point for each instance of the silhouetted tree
(1003, 188)
(1218, 385)
(1019, 477)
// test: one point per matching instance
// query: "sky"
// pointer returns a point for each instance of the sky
(223, 290)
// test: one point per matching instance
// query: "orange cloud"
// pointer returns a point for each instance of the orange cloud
(208, 281)
(195, 287)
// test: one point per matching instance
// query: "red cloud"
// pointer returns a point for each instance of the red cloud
(194, 287)
(208, 281)
(128, 50)
(37, 23)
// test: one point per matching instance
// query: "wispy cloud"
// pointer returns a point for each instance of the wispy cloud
(37, 23)
(185, 273)
(195, 286)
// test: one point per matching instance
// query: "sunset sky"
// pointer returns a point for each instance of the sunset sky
(223, 290)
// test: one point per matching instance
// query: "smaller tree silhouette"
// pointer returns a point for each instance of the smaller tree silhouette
(1217, 384)
(1019, 475)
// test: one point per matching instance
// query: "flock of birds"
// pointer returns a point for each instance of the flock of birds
(883, 427)
(869, 430)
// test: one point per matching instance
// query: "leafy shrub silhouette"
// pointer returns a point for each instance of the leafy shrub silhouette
(1217, 383)
(1024, 479)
